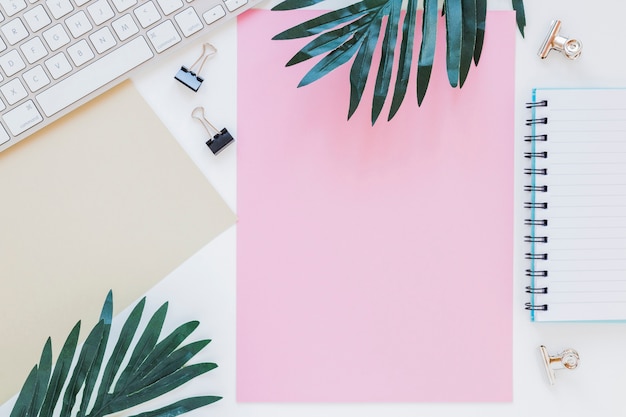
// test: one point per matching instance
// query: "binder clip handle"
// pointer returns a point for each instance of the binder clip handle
(190, 76)
(218, 139)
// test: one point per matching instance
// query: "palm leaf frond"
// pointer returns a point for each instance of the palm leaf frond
(427, 48)
(154, 368)
(520, 16)
(405, 59)
(353, 33)
(383, 78)
(481, 18)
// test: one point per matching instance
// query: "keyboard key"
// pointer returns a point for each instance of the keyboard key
(147, 14)
(233, 5)
(34, 50)
(22, 118)
(58, 65)
(13, 91)
(4, 136)
(163, 36)
(37, 18)
(14, 31)
(103, 40)
(214, 14)
(59, 8)
(122, 5)
(100, 11)
(170, 6)
(12, 7)
(78, 24)
(125, 27)
(188, 21)
(94, 76)
(80, 52)
(12, 63)
(36, 78)
(56, 37)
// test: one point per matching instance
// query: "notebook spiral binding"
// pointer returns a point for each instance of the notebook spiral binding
(536, 173)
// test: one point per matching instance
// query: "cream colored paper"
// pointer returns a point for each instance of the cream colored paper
(103, 199)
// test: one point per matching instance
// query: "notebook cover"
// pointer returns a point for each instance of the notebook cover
(374, 262)
(104, 198)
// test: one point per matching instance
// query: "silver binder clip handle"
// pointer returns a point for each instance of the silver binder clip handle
(571, 48)
(567, 359)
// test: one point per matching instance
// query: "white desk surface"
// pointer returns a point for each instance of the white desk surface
(597, 387)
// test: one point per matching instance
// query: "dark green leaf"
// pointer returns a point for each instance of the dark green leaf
(85, 360)
(107, 309)
(481, 17)
(44, 370)
(328, 41)
(362, 63)
(427, 48)
(94, 370)
(520, 17)
(48, 392)
(406, 57)
(119, 352)
(25, 398)
(164, 348)
(61, 370)
(454, 34)
(160, 387)
(330, 19)
(180, 407)
(331, 61)
(383, 78)
(468, 38)
(170, 364)
(144, 346)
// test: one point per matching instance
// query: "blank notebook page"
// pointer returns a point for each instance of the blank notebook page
(578, 205)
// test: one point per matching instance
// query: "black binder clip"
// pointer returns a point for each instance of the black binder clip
(568, 359)
(220, 139)
(190, 76)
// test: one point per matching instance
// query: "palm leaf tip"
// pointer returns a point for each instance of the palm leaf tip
(520, 15)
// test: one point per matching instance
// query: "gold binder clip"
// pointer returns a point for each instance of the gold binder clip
(191, 76)
(568, 359)
(219, 139)
(554, 40)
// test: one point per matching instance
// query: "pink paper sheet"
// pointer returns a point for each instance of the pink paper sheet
(374, 263)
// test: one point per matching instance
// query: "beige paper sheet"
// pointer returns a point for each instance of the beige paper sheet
(102, 199)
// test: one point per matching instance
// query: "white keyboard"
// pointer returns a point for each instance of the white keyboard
(57, 54)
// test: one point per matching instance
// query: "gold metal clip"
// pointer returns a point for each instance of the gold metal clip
(567, 359)
(572, 48)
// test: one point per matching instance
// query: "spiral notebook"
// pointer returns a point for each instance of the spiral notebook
(576, 207)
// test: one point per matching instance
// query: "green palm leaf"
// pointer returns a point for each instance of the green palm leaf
(154, 368)
(427, 48)
(383, 78)
(353, 33)
(406, 55)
